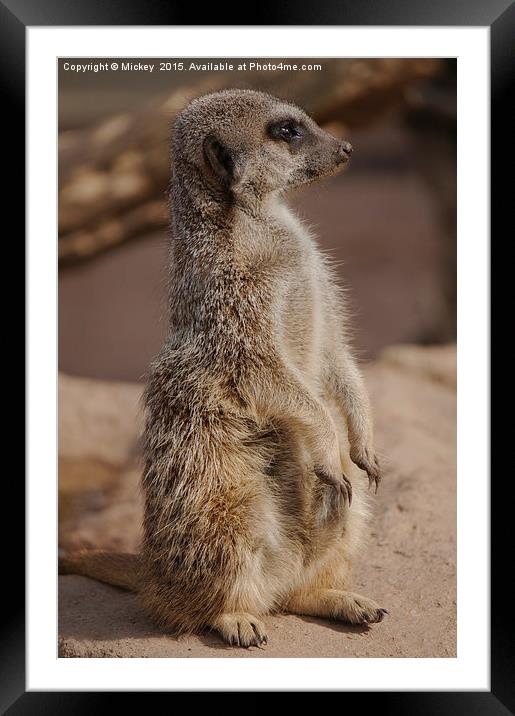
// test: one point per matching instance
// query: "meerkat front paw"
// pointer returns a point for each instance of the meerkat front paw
(366, 459)
(340, 482)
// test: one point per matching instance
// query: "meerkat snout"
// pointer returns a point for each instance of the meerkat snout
(345, 149)
(248, 144)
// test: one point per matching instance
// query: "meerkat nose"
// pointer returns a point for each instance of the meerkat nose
(345, 148)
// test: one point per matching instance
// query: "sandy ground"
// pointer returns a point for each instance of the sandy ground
(409, 565)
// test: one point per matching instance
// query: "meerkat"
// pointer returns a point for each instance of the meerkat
(258, 424)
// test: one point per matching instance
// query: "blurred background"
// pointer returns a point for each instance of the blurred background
(388, 220)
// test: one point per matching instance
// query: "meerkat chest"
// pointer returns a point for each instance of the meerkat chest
(301, 314)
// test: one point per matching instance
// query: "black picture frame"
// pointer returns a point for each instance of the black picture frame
(499, 15)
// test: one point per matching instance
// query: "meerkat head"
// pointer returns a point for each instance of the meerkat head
(246, 143)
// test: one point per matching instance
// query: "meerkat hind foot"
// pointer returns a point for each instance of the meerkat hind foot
(240, 629)
(337, 604)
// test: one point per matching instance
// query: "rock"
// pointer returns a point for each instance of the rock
(409, 565)
(436, 362)
(99, 427)
(113, 524)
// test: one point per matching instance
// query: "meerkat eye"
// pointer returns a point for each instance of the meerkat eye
(287, 131)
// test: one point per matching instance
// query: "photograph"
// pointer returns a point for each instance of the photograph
(257, 361)
(257, 357)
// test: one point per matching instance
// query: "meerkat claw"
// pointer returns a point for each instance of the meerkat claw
(342, 484)
(376, 477)
(348, 486)
(370, 466)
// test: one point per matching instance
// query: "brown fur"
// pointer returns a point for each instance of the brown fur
(255, 402)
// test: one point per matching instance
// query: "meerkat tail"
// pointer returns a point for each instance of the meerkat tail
(119, 569)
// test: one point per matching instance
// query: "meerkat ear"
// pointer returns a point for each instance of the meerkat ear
(220, 161)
